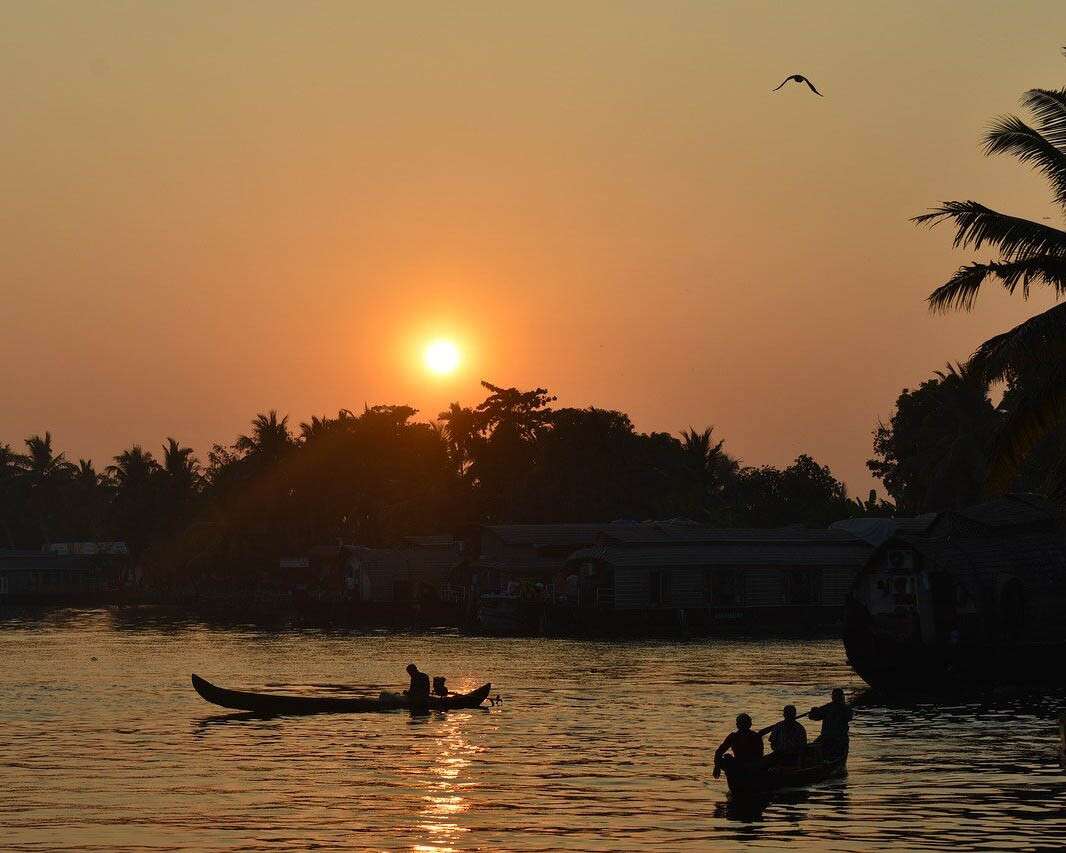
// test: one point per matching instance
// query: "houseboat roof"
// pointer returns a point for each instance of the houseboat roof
(1019, 511)
(434, 540)
(650, 532)
(660, 533)
(1035, 556)
(421, 558)
(546, 534)
(13, 559)
(1013, 510)
(783, 552)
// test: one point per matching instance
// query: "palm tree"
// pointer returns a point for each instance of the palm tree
(318, 427)
(133, 468)
(180, 466)
(269, 439)
(459, 429)
(86, 476)
(1032, 355)
(711, 469)
(41, 462)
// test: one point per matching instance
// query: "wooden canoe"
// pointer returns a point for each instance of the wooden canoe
(755, 779)
(272, 704)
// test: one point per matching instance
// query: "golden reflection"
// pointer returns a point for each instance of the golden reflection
(443, 804)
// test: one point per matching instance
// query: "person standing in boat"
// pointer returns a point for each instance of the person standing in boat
(788, 739)
(835, 718)
(746, 746)
(418, 691)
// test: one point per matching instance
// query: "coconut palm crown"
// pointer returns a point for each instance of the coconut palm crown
(1032, 356)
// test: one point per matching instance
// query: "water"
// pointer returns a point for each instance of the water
(597, 747)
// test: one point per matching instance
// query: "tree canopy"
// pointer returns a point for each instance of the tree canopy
(379, 475)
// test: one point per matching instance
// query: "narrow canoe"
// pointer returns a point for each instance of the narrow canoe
(756, 780)
(270, 704)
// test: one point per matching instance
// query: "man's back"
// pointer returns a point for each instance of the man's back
(789, 738)
(835, 718)
(419, 685)
(746, 745)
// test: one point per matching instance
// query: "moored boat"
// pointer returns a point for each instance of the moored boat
(271, 704)
(966, 600)
(756, 779)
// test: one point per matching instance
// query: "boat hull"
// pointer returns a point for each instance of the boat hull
(888, 664)
(756, 779)
(271, 704)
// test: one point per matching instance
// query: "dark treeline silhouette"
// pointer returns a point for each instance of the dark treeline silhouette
(377, 476)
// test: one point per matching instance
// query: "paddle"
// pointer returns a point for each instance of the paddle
(768, 729)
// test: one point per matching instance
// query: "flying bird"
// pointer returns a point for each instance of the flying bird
(799, 78)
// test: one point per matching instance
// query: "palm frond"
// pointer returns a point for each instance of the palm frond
(960, 291)
(1014, 236)
(1049, 107)
(1011, 135)
(1031, 348)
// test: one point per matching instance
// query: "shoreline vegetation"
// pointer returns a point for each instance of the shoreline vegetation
(375, 478)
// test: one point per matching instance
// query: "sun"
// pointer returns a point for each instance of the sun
(441, 357)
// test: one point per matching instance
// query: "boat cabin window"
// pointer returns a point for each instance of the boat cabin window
(721, 587)
(1012, 610)
(900, 588)
(401, 591)
(659, 587)
(802, 586)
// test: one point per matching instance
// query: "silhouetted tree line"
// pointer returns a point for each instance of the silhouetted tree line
(379, 475)
(947, 444)
(937, 450)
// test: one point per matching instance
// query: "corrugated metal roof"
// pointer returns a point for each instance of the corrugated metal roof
(915, 524)
(659, 533)
(17, 560)
(415, 558)
(432, 540)
(783, 553)
(546, 534)
(1012, 510)
(1037, 558)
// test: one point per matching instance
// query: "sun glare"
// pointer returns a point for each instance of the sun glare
(441, 357)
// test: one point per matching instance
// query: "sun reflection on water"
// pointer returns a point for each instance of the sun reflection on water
(443, 804)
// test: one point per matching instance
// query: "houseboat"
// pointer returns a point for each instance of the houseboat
(706, 580)
(966, 598)
(64, 573)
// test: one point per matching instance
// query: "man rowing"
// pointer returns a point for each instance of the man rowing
(835, 718)
(788, 739)
(745, 745)
(418, 692)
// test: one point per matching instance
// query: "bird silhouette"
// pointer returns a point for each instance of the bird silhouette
(799, 78)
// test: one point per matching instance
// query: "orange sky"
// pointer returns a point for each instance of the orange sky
(211, 209)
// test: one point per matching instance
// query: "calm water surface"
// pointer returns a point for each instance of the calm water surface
(597, 747)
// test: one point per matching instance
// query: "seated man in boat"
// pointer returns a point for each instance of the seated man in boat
(745, 744)
(418, 692)
(788, 739)
(835, 718)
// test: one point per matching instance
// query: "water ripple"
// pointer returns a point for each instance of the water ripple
(598, 746)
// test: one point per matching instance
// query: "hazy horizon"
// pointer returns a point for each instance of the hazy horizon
(213, 210)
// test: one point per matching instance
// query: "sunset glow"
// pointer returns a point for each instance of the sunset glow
(441, 357)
